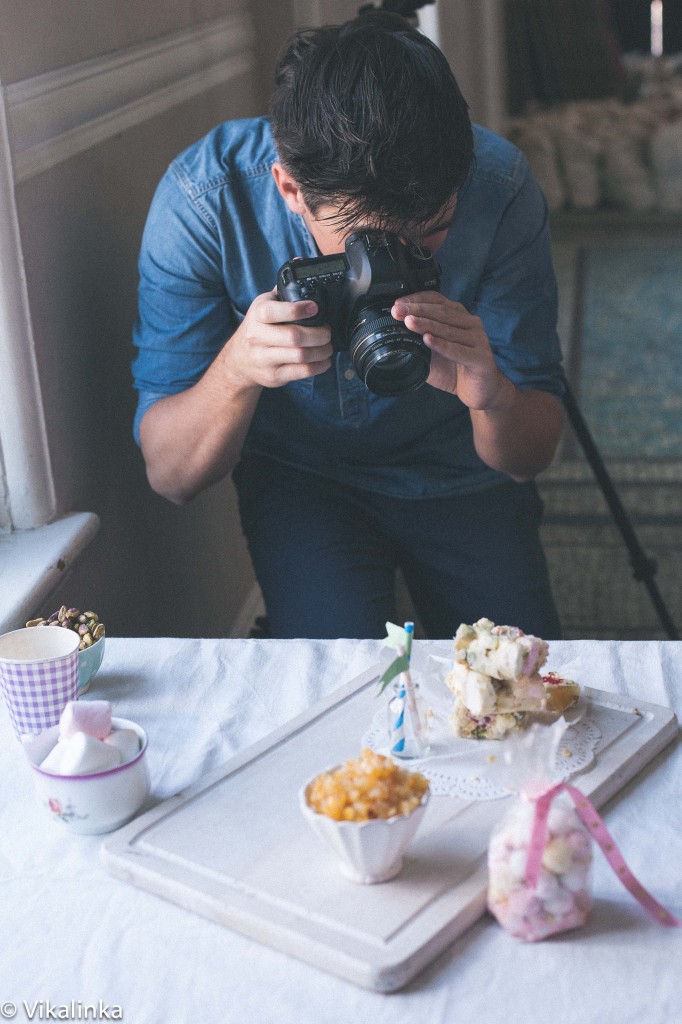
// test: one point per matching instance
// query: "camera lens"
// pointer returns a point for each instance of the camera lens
(390, 359)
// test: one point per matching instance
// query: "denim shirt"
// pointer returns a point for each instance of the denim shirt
(217, 233)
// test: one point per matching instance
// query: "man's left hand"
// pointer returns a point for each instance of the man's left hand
(462, 361)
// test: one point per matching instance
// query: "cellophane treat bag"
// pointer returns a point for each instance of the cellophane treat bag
(560, 898)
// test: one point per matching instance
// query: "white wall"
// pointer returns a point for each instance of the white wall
(99, 99)
(471, 35)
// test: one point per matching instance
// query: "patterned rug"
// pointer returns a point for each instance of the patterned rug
(625, 360)
(621, 328)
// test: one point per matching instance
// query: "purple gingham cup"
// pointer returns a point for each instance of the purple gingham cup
(39, 675)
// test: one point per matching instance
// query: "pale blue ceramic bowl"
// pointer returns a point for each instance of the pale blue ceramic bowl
(89, 661)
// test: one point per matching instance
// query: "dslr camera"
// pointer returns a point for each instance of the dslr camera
(354, 291)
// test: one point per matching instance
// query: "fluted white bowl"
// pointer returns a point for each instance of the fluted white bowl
(366, 851)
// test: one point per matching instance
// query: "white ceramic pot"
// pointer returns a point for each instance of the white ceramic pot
(95, 803)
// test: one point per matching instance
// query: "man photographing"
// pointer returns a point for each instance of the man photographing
(339, 485)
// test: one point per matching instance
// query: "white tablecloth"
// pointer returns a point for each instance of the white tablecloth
(72, 931)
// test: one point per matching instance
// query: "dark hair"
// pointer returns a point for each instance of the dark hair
(368, 116)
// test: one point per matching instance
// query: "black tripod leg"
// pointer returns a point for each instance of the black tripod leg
(643, 568)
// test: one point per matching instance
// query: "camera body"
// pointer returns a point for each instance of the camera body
(354, 291)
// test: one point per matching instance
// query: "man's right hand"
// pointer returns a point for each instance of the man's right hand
(269, 350)
(192, 439)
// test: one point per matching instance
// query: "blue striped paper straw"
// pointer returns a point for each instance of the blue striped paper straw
(398, 730)
(409, 630)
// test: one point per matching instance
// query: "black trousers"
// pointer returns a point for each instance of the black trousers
(325, 555)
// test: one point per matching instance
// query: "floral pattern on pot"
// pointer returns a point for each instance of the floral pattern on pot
(64, 813)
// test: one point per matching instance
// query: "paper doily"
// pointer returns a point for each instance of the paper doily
(470, 769)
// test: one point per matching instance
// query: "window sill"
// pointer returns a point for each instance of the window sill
(34, 562)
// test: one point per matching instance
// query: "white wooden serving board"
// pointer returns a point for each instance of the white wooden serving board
(235, 848)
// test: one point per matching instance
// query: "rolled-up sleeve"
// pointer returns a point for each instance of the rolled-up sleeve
(184, 313)
(517, 295)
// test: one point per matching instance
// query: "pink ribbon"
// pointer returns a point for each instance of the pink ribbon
(598, 829)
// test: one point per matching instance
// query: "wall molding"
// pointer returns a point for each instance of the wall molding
(57, 115)
(27, 493)
(5, 517)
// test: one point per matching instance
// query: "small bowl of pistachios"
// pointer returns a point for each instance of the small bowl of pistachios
(91, 646)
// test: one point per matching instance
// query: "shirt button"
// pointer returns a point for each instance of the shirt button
(349, 374)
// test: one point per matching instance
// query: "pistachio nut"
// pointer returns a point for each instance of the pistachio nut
(86, 624)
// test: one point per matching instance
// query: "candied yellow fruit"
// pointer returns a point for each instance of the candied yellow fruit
(369, 786)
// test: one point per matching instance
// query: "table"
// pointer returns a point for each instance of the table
(73, 932)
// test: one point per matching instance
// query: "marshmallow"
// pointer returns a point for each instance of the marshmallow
(503, 652)
(574, 879)
(561, 897)
(495, 679)
(563, 819)
(125, 740)
(92, 717)
(81, 754)
(475, 690)
(38, 747)
(529, 689)
(557, 856)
